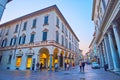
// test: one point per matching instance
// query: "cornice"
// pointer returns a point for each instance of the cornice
(93, 9)
(106, 17)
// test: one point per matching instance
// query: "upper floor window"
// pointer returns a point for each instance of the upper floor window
(34, 23)
(57, 22)
(44, 36)
(4, 43)
(7, 31)
(62, 41)
(66, 32)
(32, 38)
(0, 58)
(25, 26)
(0, 32)
(69, 36)
(13, 41)
(16, 28)
(66, 42)
(62, 28)
(22, 39)
(70, 45)
(57, 36)
(46, 20)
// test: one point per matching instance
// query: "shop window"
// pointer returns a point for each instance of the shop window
(18, 61)
(29, 61)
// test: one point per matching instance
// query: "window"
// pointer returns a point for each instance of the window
(69, 36)
(0, 58)
(69, 45)
(29, 62)
(1, 32)
(66, 32)
(57, 22)
(44, 36)
(22, 39)
(62, 28)
(34, 23)
(13, 41)
(62, 41)
(16, 29)
(66, 41)
(46, 20)
(18, 61)
(9, 60)
(25, 26)
(7, 31)
(4, 43)
(57, 36)
(32, 38)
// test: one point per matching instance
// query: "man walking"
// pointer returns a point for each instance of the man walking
(83, 66)
(80, 64)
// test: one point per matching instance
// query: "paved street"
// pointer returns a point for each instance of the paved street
(73, 74)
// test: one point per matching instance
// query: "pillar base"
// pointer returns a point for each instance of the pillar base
(118, 69)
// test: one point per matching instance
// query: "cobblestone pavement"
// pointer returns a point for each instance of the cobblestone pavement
(73, 74)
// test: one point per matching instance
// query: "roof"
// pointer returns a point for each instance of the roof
(93, 9)
(48, 9)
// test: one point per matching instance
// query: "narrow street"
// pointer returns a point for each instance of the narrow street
(73, 74)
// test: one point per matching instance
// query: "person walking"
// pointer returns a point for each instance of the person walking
(37, 66)
(56, 67)
(41, 66)
(68, 66)
(80, 64)
(65, 65)
(83, 66)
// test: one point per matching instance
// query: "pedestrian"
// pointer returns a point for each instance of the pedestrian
(105, 67)
(65, 65)
(80, 64)
(83, 66)
(41, 66)
(68, 66)
(37, 66)
(73, 65)
(56, 67)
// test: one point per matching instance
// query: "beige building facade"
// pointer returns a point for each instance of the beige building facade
(43, 37)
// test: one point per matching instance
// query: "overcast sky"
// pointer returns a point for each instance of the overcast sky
(78, 14)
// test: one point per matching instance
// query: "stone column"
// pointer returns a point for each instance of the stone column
(113, 52)
(117, 36)
(108, 53)
(59, 60)
(104, 52)
(101, 56)
(50, 62)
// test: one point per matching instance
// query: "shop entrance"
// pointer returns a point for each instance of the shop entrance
(44, 58)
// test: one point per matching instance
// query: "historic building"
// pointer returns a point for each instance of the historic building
(43, 37)
(2, 6)
(106, 17)
(93, 50)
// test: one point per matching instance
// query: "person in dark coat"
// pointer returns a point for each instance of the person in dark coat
(65, 65)
(37, 66)
(105, 67)
(41, 66)
(83, 66)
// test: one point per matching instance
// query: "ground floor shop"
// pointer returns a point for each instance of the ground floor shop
(27, 58)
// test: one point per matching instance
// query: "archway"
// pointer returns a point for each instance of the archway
(44, 57)
(61, 58)
(55, 56)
